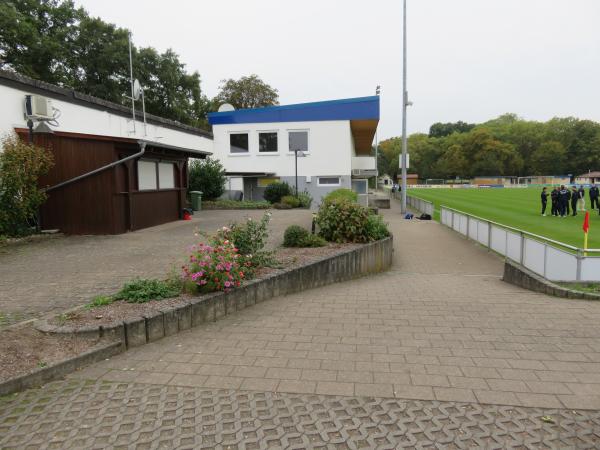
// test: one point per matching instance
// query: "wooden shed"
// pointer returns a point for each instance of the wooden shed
(115, 169)
(111, 185)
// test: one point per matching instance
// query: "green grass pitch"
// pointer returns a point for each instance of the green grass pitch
(516, 207)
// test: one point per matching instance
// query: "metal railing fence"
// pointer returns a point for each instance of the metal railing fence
(419, 204)
(551, 259)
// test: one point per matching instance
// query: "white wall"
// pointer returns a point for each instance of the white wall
(329, 142)
(80, 119)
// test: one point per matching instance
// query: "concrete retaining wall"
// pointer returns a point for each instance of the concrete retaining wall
(522, 277)
(46, 374)
(367, 259)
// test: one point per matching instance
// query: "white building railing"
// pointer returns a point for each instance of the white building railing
(555, 261)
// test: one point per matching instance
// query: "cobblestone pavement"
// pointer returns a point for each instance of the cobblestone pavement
(97, 415)
(438, 349)
(60, 273)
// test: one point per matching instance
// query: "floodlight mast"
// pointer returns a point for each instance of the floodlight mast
(404, 107)
(131, 81)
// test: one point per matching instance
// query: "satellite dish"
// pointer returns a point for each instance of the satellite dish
(226, 107)
(137, 89)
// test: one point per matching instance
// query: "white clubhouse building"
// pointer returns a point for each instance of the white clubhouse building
(258, 146)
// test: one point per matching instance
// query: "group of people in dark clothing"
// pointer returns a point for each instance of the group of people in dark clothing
(561, 198)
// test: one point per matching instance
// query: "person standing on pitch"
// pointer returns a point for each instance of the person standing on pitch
(581, 198)
(563, 200)
(594, 194)
(544, 196)
(554, 198)
(574, 199)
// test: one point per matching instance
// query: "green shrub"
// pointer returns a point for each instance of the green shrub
(216, 267)
(208, 176)
(376, 228)
(100, 300)
(343, 221)
(305, 199)
(250, 238)
(313, 240)
(21, 165)
(275, 191)
(291, 201)
(294, 236)
(341, 194)
(234, 204)
(144, 290)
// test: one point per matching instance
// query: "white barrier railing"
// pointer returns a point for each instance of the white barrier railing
(417, 203)
(551, 259)
(420, 205)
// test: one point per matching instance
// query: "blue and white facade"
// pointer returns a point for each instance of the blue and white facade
(256, 146)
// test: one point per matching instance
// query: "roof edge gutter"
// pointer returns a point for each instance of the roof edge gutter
(142, 145)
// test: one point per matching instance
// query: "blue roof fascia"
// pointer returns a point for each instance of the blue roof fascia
(360, 108)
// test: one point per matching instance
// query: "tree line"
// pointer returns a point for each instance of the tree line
(55, 42)
(507, 145)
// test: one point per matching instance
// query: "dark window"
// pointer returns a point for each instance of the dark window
(267, 142)
(298, 140)
(329, 181)
(238, 143)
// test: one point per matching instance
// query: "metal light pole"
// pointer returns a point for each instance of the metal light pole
(404, 106)
(297, 154)
(377, 92)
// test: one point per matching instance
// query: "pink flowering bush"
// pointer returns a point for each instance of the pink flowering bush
(215, 267)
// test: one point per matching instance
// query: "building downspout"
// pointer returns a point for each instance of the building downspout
(100, 169)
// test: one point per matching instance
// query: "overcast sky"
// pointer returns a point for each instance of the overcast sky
(468, 60)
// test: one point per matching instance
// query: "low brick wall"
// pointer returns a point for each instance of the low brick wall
(522, 277)
(356, 262)
(46, 374)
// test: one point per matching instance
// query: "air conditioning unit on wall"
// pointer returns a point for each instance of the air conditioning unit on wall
(38, 107)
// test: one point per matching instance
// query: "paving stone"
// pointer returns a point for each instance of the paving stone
(442, 319)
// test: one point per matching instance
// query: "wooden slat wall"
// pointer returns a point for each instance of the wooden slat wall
(108, 202)
(153, 208)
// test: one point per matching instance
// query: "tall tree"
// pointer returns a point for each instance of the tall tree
(247, 92)
(100, 60)
(36, 38)
(549, 159)
(52, 41)
(439, 129)
(491, 156)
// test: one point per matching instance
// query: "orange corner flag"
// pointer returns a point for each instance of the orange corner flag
(586, 222)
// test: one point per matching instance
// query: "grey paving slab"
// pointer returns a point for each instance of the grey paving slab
(77, 414)
(436, 350)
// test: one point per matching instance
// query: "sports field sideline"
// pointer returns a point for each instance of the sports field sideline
(516, 207)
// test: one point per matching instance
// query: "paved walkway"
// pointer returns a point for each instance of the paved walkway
(438, 349)
(57, 274)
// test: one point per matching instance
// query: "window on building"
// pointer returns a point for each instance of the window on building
(153, 175)
(147, 175)
(166, 175)
(267, 142)
(238, 143)
(360, 186)
(298, 140)
(329, 181)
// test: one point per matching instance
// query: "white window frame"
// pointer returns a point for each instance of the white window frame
(258, 152)
(339, 183)
(172, 167)
(229, 152)
(308, 143)
(139, 178)
(156, 163)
